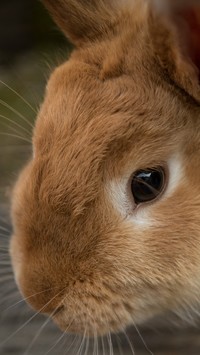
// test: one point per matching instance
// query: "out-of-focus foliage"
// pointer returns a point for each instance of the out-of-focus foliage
(31, 46)
(24, 24)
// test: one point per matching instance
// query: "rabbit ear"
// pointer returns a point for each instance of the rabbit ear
(176, 37)
(83, 20)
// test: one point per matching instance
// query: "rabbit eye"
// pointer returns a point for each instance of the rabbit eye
(147, 185)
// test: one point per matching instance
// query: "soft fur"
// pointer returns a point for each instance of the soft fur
(127, 99)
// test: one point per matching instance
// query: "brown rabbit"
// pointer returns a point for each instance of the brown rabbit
(106, 214)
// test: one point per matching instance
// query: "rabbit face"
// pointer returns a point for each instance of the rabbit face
(89, 248)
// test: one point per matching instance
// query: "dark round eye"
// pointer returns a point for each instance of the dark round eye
(147, 185)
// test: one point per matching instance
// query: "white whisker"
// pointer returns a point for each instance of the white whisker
(110, 344)
(56, 343)
(95, 340)
(141, 337)
(37, 335)
(4, 229)
(74, 340)
(28, 321)
(16, 112)
(7, 298)
(64, 333)
(4, 220)
(27, 298)
(129, 342)
(119, 344)
(15, 123)
(103, 345)
(87, 340)
(87, 345)
(15, 136)
(6, 278)
(81, 344)
(4, 257)
(5, 270)
(5, 263)
(13, 129)
(21, 97)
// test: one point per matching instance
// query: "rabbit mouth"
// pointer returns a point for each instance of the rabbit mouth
(58, 310)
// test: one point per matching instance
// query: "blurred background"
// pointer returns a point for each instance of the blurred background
(30, 47)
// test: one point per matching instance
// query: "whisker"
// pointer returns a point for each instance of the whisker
(6, 278)
(15, 123)
(194, 310)
(109, 339)
(5, 263)
(6, 274)
(4, 256)
(96, 346)
(28, 321)
(4, 243)
(56, 343)
(15, 136)
(4, 220)
(16, 112)
(21, 97)
(82, 343)
(93, 346)
(27, 298)
(4, 238)
(87, 345)
(13, 129)
(3, 246)
(129, 342)
(11, 147)
(4, 270)
(37, 335)
(142, 339)
(7, 298)
(4, 234)
(4, 249)
(95, 339)
(70, 346)
(119, 344)
(103, 345)
(41, 329)
(80, 347)
(4, 229)
(12, 290)
(110, 344)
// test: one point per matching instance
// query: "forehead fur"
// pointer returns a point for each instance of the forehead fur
(88, 125)
(99, 104)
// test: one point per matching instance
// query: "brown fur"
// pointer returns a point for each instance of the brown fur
(128, 98)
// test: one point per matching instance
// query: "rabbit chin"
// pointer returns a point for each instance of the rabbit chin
(98, 320)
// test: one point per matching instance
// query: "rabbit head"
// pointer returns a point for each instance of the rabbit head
(106, 215)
